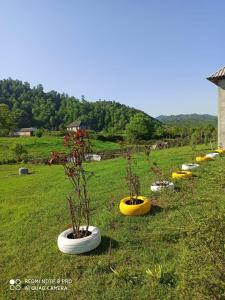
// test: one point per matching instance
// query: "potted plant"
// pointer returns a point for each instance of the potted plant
(189, 167)
(134, 204)
(181, 174)
(220, 150)
(80, 237)
(212, 155)
(202, 158)
(160, 184)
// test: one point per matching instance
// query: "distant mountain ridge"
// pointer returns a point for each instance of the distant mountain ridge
(193, 120)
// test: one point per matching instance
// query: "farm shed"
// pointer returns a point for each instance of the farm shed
(26, 131)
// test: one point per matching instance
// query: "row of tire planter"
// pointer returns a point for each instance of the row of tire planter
(89, 243)
(186, 171)
(187, 168)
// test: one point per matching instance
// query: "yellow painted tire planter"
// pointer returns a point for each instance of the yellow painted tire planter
(135, 209)
(203, 158)
(181, 174)
(221, 151)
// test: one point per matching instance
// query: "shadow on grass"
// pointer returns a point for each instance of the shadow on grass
(107, 244)
(155, 209)
(24, 175)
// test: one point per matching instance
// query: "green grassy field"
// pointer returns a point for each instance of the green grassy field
(34, 211)
(42, 147)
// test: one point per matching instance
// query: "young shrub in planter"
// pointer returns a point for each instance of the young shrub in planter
(212, 155)
(189, 167)
(133, 205)
(181, 174)
(220, 150)
(79, 238)
(202, 158)
(160, 184)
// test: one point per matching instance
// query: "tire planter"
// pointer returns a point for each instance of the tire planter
(220, 151)
(181, 174)
(81, 245)
(212, 155)
(23, 171)
(189, 167)
(162, 185)
(203, 158)
(135, 209)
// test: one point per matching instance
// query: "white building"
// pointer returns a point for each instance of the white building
(218, 79)
(74, 126)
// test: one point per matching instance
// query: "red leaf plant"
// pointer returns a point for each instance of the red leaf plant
(77, 145)
(132, 179)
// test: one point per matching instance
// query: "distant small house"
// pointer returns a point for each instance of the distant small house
(74, 126)
(26, 131)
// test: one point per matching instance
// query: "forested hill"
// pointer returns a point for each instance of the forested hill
(190, 120)
(52, 110)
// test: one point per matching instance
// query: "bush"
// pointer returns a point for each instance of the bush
(18, 150)
(39, 133)
(202, 267)
(109, 137)
(24, 157)
(141, 127)
(57, 132)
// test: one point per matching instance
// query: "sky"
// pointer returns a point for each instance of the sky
(153, 55)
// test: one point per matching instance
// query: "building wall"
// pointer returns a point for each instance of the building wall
(72, 128)
(25, 133)
(221, 114)
(76, 128)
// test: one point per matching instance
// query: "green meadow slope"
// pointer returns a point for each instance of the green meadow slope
(42, 147)
(34, 211)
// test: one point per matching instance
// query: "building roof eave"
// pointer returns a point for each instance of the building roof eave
(74, 124)
(217, 76)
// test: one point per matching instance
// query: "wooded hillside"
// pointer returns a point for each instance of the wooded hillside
(32, 106)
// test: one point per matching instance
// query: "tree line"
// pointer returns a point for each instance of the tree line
(24, 106)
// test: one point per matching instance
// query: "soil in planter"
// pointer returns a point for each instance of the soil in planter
(134, 201)
(161, 183)
(180, 172)
(82, 234)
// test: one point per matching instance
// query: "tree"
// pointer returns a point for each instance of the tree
(38, 133)
(160, 132)
(194, 140)
(7, 120)
(140, 128)
(33, 107)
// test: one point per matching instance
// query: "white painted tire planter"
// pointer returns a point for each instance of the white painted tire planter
(81, 245)
(212, 155)
(188, 167)
(156, 186)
